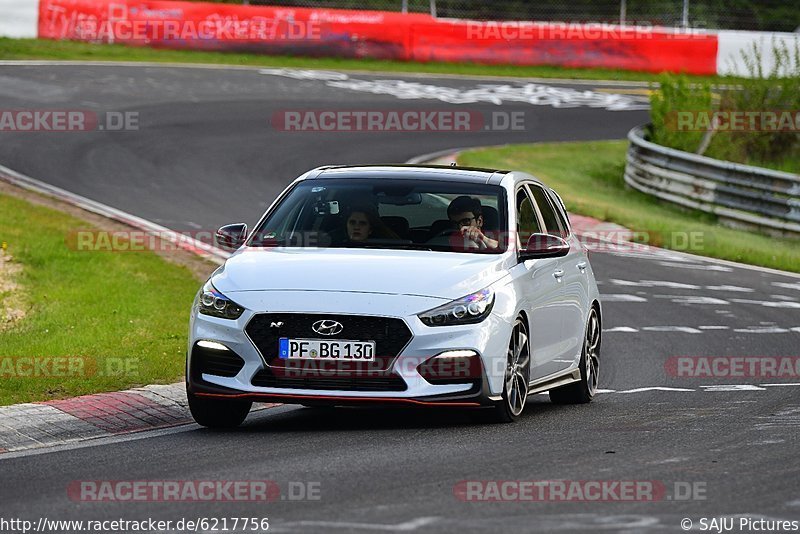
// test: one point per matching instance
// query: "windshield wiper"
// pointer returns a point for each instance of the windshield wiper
(384, 244)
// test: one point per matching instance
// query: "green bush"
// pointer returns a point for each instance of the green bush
(776, 89)
(677, 94)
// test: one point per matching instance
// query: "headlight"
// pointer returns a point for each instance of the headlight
(214, 303)
(466, 310)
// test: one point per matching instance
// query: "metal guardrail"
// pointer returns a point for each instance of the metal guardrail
(751, 196)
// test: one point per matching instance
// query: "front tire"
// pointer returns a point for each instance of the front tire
(218, 413)
(584, 390)
(517, 378)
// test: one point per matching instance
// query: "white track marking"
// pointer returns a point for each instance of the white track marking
(637, 250)
(696, 266)
(731, 387)
(621, 297)
(785, 285)
(762, 330)
(670, 460)
(655, 388)
(529, 93)
(684, 329)
(653, 283)
(536, 94)
(691, 299)
(787, 419)
(731, 288)
(678, 285)
(769, 303)
(303, 74)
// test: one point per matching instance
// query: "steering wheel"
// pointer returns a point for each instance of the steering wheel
(447, 232)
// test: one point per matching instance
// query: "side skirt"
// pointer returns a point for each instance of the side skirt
(550, 382)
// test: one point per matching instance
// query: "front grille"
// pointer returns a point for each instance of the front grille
(387, 382)
(390, 337)
(215, 362)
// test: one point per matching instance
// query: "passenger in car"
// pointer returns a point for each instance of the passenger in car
(466, 213)
(359, 227)
(364, 223)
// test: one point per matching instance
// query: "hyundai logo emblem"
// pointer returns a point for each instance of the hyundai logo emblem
(327, 327)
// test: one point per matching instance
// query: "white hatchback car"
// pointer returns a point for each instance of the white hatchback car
(414, 285)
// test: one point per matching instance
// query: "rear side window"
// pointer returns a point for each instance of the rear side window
(561, 211)
(528, 222)
(549, 217)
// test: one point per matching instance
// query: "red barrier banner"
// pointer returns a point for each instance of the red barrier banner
(374, 34)
(274, 30)
(566, 44)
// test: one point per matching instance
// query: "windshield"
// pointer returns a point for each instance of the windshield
(389, 214)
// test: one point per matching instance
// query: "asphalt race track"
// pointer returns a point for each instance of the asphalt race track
(206, 154)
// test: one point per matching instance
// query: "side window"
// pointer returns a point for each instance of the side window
(561, 211)
(527, 221)
(551, 224)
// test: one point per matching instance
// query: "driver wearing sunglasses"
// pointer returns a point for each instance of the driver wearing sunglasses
(466, 214)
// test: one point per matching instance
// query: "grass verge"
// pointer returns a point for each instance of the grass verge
(69, 50)
(588, 176)
(94, 321)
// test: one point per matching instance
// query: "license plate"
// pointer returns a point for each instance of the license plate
(323, 349)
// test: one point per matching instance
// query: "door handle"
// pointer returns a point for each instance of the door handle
(581, 266)
(558, 274)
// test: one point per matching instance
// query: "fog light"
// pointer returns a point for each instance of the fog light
(452, 367)
(211, 345)
(457, 354)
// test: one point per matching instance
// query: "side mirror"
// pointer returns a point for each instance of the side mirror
(231, 236)
(544, 246)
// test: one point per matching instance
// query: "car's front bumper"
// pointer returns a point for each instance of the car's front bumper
(488, 339)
